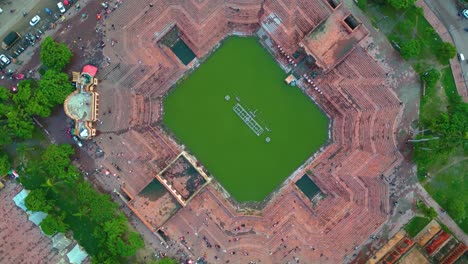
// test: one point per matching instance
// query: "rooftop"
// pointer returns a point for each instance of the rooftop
(334, 38)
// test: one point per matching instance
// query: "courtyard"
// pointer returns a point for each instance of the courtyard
(201, 112)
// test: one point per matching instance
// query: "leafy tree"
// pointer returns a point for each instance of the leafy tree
(5, 164)
(401, 4)
(54, 55)
(4, 94)
(54, 87)
(20, 123)
(56, 162)
(445, 52)
(22, 151)
(37, 201)
(23, 96)
(101, 208)
(6, 136)
(53, 224)
(431, 77)
(362, 4)
(410, 49)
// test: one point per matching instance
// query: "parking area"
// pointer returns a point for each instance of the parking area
(31, 19)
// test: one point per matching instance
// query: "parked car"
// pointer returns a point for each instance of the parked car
(465, 13)
(61, 7)
(35, 20)
(10, 40)
(48, 11)
(4, 60)
(78, 141)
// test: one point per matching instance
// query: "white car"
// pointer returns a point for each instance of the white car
(4, 60)
(35, 20)
(61, 7)
(78, 141)
(465, 13)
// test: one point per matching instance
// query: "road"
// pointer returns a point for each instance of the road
(442, 215)
(447, 12)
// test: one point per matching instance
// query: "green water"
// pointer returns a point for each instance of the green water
(307, 186)
(153, 191)
(183, 52)
(247, 166)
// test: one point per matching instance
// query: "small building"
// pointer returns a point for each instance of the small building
(291, 80)
(83, 104)
(35, 217)
(60, 241)
(77, 255)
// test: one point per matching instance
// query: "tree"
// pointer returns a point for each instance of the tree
(401, 4)
(4, 94)
(54, 87)
(20, 123)
(410, 49)
(53, 224)
(22, 149)
(37, 201)
(23, 96)
(54, 55)
(431, 77)
(5, 165)
(56, 162)
(445, 52)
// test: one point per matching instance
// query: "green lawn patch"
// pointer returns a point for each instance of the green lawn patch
(205, 121)
(416, 225)
(448, 188)
(442, 113)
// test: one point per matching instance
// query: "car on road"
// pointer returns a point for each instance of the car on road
(34, 20)
(61, 7)
(78, 141)
(465, 13)
(4, 60)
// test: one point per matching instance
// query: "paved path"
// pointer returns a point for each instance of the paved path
(442, 15)
(443, 217)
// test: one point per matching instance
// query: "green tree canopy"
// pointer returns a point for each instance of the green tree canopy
(37, 201)
(53, 88)
(23, 96)
(54, 55)
(445, 52)
(410, 49)
(20, 123)
(431, 77)
(5, 164)
(53, 224)
(401, 4)
(56, 162)
(4, 94)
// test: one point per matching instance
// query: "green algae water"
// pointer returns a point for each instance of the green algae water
(200, 112)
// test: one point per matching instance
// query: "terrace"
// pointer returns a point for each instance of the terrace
(331, 41)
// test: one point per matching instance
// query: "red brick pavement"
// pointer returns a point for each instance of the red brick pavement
(350, 171)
